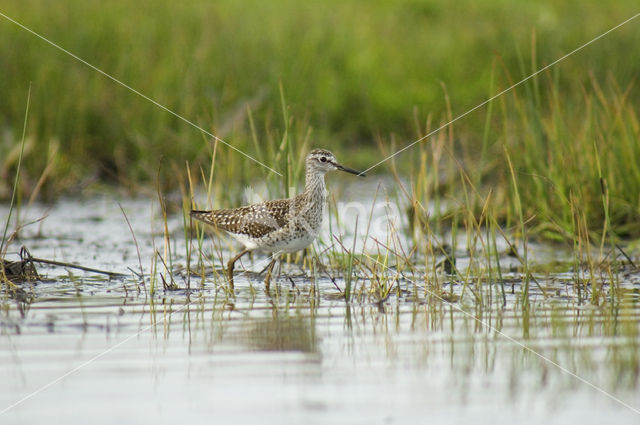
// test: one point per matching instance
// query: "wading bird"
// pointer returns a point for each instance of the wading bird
(283, 225)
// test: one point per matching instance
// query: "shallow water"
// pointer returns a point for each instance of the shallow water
(106, 350)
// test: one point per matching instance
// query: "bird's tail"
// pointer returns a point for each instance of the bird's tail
(204, 216)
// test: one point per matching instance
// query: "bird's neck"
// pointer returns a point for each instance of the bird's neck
(314, 185)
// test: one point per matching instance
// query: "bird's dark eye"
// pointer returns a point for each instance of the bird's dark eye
(323, 159)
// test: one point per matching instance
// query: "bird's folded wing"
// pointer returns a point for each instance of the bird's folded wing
(254, 220)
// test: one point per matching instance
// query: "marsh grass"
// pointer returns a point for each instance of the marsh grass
(228, 66)
(557, 160)
(15, 203)
(570, 161)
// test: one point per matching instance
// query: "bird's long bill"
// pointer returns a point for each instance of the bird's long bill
(349, 170)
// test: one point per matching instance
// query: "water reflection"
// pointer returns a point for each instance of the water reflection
(281, 333)
(305, 355)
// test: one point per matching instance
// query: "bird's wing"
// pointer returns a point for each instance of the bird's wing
(254, 220)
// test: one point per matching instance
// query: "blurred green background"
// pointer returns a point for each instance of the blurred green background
(360, 77)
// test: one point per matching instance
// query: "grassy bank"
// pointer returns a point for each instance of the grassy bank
(359, 78)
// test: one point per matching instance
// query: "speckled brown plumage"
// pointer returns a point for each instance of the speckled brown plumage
(283, 225)
(254, 220)
(259, 220)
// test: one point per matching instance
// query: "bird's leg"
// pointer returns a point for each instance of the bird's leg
(267, 279)
(230, 265)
